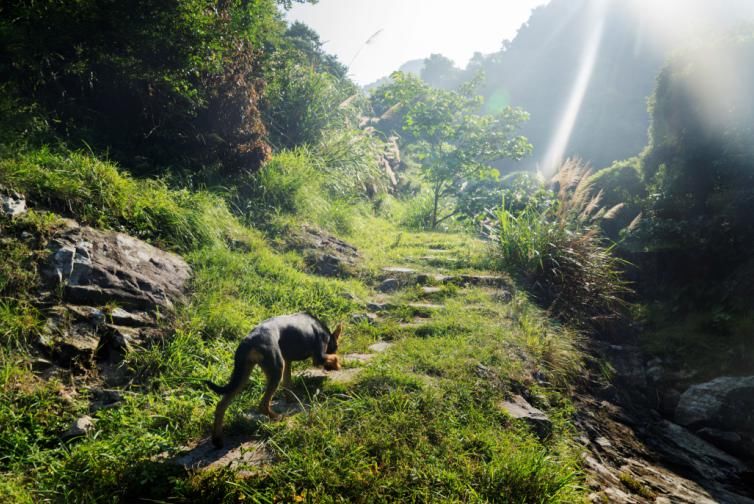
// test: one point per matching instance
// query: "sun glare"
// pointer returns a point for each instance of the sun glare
(590, 51)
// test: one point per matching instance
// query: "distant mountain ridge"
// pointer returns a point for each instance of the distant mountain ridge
(537, 70)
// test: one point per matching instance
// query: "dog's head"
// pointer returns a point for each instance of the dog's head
(332, 345)
(331, 361)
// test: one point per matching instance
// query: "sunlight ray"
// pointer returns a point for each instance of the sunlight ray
(559, 142)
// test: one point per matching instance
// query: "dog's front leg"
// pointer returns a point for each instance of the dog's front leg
(274, 375)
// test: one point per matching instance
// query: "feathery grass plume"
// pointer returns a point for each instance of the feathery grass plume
(561, 255)
(634, 223)
(613, 211)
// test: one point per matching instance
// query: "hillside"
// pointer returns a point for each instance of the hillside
(173, 175)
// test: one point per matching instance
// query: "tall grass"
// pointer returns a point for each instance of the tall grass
(95, 192)
(560, 254)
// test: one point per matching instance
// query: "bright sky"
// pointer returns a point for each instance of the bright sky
(411, 29)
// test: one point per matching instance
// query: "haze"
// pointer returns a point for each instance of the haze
(410, 30)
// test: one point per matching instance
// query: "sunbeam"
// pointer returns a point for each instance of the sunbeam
(559, 142)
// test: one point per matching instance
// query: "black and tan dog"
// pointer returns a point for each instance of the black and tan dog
(274, 344)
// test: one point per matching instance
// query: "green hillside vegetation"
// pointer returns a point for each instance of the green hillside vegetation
(218, 132)
(418, 422)
(693, 185)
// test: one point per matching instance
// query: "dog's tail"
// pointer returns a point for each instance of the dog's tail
(241, 370)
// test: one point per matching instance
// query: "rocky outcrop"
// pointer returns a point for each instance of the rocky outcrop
(721, 411)
(95, 267)
(107, 292)
(518, 408)
(12, 204)
(637, 457)
(324, 254)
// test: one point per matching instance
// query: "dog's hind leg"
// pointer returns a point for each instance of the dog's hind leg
(236, 387)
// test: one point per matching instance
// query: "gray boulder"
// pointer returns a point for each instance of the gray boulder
(389, 285)
(324, 254)
(723, 405)
(94, 270)
(95, 267)
(12, 204)
(726, 402)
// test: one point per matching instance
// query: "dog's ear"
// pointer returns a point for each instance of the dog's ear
(338, 332)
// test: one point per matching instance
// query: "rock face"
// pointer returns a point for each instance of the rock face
(94, 267)
(723, 412)
(518, 408)
(111, 290)
(12, 204)
(323, 253)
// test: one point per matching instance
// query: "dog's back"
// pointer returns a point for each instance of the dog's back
(298, 336)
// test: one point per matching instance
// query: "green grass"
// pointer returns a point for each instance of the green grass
(559, 254)
(420, 423)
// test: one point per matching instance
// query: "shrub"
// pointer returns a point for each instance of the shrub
(559, 252)
(302, 105)
(350, 161)
(287, 184)
(154, 83)
(417, 212)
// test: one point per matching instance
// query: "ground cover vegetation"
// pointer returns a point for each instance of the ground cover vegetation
(216, 130)
(211, 130)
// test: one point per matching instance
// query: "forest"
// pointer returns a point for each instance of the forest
(536, 305)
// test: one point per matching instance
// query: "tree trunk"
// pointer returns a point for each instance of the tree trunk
(438, 187)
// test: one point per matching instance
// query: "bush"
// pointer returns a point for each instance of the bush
(154, 83)
(350, 162)
(560, 254)
(283, 186)
(417, 212)
(302, 105)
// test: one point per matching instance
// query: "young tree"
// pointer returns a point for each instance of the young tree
(453, 141)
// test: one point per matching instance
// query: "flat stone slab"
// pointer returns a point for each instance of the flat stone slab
(428, 291)
(370, 318)
(379, 307)
(399, 270)
(425, 306)
(518, 408)
(380, 346)
(343, 376)
(424, 309)
(488, 280)
(239, 453)
(358, 357)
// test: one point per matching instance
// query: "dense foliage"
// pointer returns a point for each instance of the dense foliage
(452, 142)
(554, 244)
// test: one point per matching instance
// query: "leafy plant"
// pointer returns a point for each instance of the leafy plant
(559, 252)
(451, 140)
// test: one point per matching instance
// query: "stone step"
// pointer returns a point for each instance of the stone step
(424, 310)
(239, 454)
(428, 291)
(361, 358)
(344, 375)
(380, 346)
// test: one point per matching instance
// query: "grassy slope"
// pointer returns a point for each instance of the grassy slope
(418, 424)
